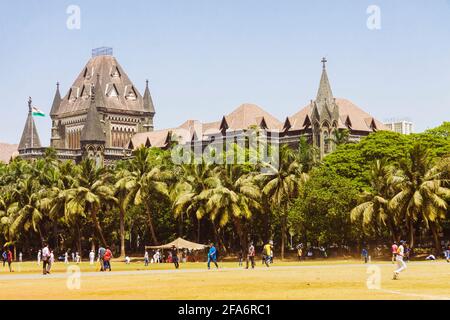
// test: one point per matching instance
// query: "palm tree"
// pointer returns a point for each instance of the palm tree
(193, 180)
(307, 155)
(340, 137)
(374, 210)
(91, 192)
(281, 185)
(233, 197)
(421, 193)
(123, 192)
(25, 212)
(148, 181)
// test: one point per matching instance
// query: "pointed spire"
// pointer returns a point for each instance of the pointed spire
(30, 137)
(93, 130)
(324, 93)
(56, 101)
(148, 102)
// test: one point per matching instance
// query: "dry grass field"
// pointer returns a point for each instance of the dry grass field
(331, 279)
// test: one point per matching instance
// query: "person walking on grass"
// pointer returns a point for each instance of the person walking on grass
(268, 252)
(4, 256)
(45, 259)
(91, 257)
(51, 260)
(146, 258)
(107, 259)
(39, 256)
(9, 259)
(251, 256)
(399, 258)
(66, 257)
(101, 255)
(365, 255)
(300, 251)
(212, 256)
(175, 257)
(394, 248)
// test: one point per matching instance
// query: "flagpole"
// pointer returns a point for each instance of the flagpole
(31, 126)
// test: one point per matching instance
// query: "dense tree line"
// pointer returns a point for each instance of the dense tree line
(386, 187)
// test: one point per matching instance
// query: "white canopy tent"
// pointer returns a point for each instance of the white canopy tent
(179, 243)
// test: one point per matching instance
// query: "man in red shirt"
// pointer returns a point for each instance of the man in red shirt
(107, 259)
(9, 259)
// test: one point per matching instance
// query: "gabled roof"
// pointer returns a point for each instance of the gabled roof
(348, 111)
(7, 152)
(111, 73)
(30, 137)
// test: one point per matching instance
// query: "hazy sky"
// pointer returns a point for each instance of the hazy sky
(205, 57)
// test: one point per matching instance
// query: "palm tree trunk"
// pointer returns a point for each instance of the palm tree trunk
(122, 232)
(98, 226)
(241, 233)
(411, 234)
(151, 227)
(283, 235)
(78, 237)
(198, 230)
(437, 243)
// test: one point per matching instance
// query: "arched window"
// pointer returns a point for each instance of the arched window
(326, 142)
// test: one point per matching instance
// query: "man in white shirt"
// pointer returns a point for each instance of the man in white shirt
(91, 257)
(66, 258)
(39, 258)
(45, 259)
(399, 258)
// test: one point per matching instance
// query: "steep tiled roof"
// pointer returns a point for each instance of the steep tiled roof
(93, 129)
(358, 118)
(247, 115)
(7, 151)
(30, 137)
(119, 91)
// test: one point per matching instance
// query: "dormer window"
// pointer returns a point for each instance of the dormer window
(130, 93)
(111, 90)
(73, 94)
(115, 72)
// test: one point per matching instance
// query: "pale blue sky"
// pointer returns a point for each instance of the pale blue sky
(205, 57)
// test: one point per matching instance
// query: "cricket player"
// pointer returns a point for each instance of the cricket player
(399, 257)
(212, 256)
(251, 256)
(268, 252)
(91, 257)
(39, 255)
(394, 248)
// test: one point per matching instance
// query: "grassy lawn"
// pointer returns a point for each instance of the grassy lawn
(331, 279)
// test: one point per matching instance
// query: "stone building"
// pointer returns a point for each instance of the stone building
(317, 122)
(104, 117)
(101, 106)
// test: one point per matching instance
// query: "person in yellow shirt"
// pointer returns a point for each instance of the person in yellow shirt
(268, 251)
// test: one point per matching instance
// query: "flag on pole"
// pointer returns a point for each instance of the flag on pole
(37, 113)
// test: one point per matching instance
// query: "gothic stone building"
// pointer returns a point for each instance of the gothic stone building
(104, 117)
(317, 122)
(97, 117)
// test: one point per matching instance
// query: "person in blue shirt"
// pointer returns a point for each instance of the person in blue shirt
(365, 255)
(212, 256)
